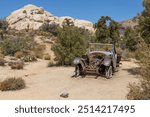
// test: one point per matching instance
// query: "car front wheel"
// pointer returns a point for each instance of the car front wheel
(77, 71)
(108, 72)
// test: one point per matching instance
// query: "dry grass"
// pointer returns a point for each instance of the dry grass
(12, 84)
(16, 65)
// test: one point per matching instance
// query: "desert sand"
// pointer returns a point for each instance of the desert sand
(45, 83)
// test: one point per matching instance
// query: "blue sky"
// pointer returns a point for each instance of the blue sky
(90, 10)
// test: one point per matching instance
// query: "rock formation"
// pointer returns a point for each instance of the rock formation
(32, 17)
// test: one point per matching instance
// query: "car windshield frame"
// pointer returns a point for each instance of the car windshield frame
(100, 47)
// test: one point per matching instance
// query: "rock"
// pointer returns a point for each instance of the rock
(33, 17)
(64, 95)
(29, 17)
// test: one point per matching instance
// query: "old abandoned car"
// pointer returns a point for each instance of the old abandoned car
(101, 59)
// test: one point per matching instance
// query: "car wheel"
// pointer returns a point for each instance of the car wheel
(77, 71)
(108, 72)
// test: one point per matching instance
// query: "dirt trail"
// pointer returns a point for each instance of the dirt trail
(48, 83)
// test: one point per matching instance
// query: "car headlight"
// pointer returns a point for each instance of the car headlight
(76, 61)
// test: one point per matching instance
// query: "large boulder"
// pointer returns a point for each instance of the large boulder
(29, 17)
(33, 17)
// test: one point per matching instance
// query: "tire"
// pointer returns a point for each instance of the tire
(108, 72)
(77, 71)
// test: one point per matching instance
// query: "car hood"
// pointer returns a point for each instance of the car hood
(101, 52)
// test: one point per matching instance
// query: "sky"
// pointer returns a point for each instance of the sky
(91, 10)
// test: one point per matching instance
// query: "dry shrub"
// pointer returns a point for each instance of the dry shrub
(31, 57)
(143, 55)
(1, 55)
(51, 64)
(2, 62)
(127, 55)
(45, 34)
(19, 54)
(39, 50)
(16, 65)
(142, 90)
(12, 84)
(47, 57)
(135, 92)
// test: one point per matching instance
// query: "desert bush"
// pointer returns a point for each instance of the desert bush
(2, 62)
(131, 39)
(135, 92)
(3, 28)
(51, 64)
(19, 54)
(51, 28)
(142, 90)
(12, 84)
(16, 65)
(127, 55)
(39, 50)
(29, 58)
(3, 24)
(45, 34)
(11, 46)
(47, 57)
(71, 43)
(1, 55)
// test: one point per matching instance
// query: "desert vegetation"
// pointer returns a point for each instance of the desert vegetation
(69, 41)
(141, 90)
(12, 84)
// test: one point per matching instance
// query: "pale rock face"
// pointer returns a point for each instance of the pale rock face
(32, 17)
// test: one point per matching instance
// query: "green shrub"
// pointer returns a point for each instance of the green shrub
(11, 46)
(71, 43)
(12, 84)
(45, 34)
(50, 28)
(142, 90)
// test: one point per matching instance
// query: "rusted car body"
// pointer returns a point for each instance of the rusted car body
(100, 59)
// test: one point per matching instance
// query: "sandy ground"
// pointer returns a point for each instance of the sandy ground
(48, 83)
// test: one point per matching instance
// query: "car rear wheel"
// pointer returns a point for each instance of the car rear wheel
(108, 72)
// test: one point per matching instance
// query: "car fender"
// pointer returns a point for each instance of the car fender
(78, 61)
(107, 62)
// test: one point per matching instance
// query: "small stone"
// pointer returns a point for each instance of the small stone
(64, 95)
